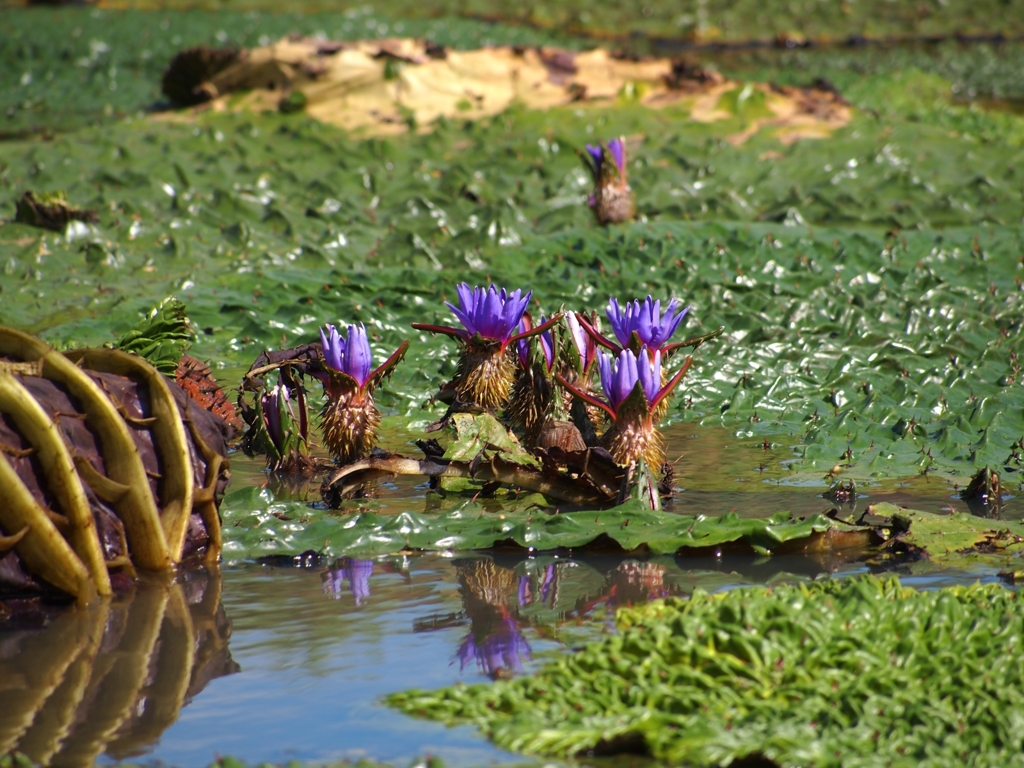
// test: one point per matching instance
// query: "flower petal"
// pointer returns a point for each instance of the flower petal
(333, 346)
(547, 344)
(617, 147)
(358, 357)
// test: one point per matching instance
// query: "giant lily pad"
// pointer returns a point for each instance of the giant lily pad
(257, 525)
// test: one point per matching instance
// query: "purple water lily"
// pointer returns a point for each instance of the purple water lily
(523, 344)
(619, 376)
(617, 148)
(612, 198)
(352, 356)
(646, 321)
(640, 324)
(547, 342)
(525, 593)
(492, 320)
(350, 418)
(634, 434)
(491, 313)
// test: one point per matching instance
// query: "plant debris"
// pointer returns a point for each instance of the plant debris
(50, 211)
(389, 86)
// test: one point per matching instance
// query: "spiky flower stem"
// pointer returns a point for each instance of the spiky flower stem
(350, 421)
(529, 403)
(634, 436)
(485, 374)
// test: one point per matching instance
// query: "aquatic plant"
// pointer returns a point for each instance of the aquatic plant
(582, 340)
(350, 418)
(633, 391)
(85, 437)
(641, 324)
(530, 402)
(864, 671)
(285, 435)
(546, 591)
(490, 318)
(612, 199)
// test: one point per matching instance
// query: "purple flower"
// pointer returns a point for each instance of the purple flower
(504, 648)
(351, 357)
(619, 376)
(333, 346)
(646, 321)
(491, 313)
(618, 149)
(550, 574)
(547, 342)
(585, 345)
(524, 596)
(523, 343)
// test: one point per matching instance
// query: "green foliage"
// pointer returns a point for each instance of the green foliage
(868, 282)
(891, 350)
(161, 337)
(861, 671)
(231, 762)
(15, 760)
(969, 72)
(480, 436)
(733, 20)
(256, 525)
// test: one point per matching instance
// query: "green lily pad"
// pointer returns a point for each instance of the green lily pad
(256, 525)
(954, 538)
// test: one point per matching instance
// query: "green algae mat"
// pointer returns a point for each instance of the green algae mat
(862, 671)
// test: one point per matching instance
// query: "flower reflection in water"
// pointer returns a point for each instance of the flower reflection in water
(491, 596)
(355, 572)
(499, 652)
(547, 592)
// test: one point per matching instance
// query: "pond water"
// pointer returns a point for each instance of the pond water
(275, 661)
